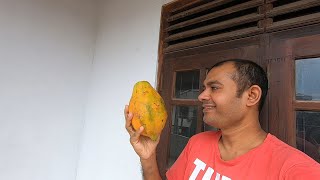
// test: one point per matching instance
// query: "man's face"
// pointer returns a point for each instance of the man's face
(221, 106)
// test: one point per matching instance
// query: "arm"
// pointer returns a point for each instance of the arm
(145, 149)
(150, 168)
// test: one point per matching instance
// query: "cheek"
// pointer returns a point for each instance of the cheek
(220, 99)
(236, 108)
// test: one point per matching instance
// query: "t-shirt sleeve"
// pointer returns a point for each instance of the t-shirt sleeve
(177, 170)
(304, 171)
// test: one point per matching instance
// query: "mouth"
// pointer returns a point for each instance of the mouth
(207, 107)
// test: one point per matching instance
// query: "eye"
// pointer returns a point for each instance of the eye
(214, 87)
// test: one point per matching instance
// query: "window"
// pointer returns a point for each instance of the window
(184, 125)
(187, 84)
(307, 86)
(308, 133)
(308, 79)
(184, 116)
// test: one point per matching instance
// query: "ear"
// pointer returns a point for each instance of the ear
(254, 95)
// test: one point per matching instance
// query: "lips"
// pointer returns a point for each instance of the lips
(207, 107)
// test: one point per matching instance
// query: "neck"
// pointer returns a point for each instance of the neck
(243, 137)
(239, 140)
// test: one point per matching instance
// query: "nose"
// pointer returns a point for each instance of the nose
(204, 96)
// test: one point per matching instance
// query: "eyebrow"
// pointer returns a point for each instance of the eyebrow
(213, 82)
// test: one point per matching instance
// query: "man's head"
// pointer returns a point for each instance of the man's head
(248, 73)
(232, 88)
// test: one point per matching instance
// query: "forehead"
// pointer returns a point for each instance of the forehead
(222, 72)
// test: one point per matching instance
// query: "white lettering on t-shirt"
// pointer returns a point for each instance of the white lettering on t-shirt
(217, 176)
(208, 174)
(200, 166)
(225, 178)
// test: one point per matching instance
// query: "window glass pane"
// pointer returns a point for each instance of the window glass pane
(308, 133)
(187, 84)
(184, 125)
(308, 79)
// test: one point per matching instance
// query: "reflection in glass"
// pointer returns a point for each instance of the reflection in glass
(308, 79)
(187, 84)
(308, 133)
(184, 125)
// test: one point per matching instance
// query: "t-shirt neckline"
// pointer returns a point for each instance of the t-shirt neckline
(239, 158)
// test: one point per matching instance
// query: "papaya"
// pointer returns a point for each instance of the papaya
(148, 109)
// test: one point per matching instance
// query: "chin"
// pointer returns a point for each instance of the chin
(210, 121)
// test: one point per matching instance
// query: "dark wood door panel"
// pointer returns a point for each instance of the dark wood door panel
(279, 69)
(305, 47)
(208, 59)
(281, 56)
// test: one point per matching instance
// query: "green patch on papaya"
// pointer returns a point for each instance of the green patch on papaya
(149, 109)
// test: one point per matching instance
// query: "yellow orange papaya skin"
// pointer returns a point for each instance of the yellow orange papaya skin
(148, 109)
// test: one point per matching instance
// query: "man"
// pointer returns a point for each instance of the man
(232, 99)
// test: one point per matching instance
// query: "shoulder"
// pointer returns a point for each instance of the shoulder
(286, 151)
(292, 161)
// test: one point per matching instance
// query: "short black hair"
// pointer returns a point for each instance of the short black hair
(248, 73)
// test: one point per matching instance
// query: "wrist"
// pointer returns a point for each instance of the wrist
(152, 157)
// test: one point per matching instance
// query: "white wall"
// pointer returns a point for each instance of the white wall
(46, 52)
(126, 52)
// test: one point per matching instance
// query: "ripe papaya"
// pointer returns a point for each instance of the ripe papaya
(148, 109)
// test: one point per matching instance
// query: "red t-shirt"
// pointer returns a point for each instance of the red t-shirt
(272, 160)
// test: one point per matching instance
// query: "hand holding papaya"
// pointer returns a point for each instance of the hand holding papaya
(146, 115)
(142, 145)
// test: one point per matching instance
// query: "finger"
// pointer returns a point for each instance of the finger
(129, 120)
(136, 135)
(129, 125)
(126, 111)
(128, 117)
